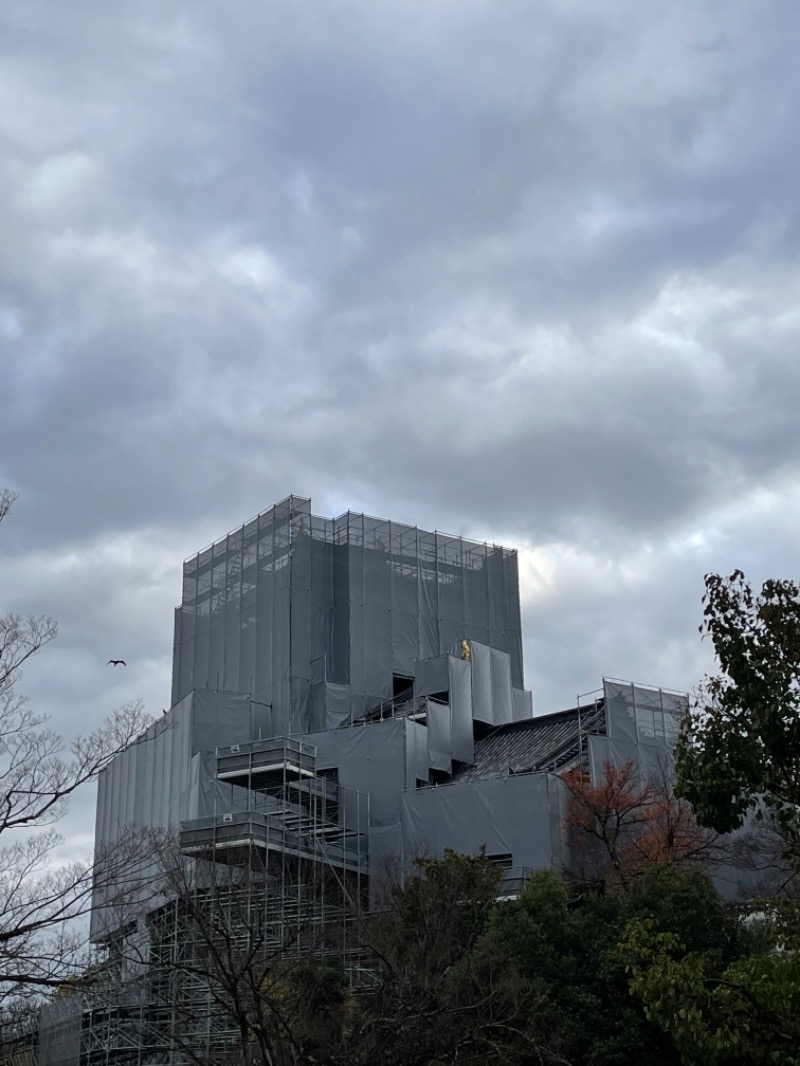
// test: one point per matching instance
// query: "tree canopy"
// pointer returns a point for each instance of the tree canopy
(739, 748)
(625, 823)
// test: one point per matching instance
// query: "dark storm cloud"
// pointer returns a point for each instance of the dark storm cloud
(526, 273)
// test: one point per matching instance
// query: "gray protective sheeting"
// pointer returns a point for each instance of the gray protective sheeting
(653, 762)
(291, 601)
(439, 735)
(370, 759)
(432, 676)
(501, 686)
(492, 702)
(507, 816)
(417, 758)
(636, 713)
(60, 1029)
(461, 731)
(385, 849)
(482, 684)
(522, 704)
(168, 775)
(479, 689)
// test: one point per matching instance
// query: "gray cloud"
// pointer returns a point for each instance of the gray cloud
(525, 274)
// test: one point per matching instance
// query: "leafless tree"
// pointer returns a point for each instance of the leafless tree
(230, 965)
(760, 849)
(234, 967)
(40, 900)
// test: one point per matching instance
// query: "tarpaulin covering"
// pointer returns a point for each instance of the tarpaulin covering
(478, 688)
(295, 625)
(439, 735)
(417, 759)
(370, 759)
(641, 714)
(654, 762)
(291, 600)
(219, 719)
(60, 1028)
(501, 687)
(482, 684)
(557, 799)
(168, 775)
(522, 704)
(492, 702)
(461, 730)
(508, 816)
(432, 675)
(385, 857)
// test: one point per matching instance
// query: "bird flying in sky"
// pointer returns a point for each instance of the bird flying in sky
(116, 662)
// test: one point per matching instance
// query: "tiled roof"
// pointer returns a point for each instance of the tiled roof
(546, 743)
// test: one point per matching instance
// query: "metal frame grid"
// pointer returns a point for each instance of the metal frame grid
(289, 859)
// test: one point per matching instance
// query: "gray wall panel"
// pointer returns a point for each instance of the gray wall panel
(405, 641)
(501, 687)
(460, 673)
(416, 754)
(620, 710)
(482, 684)
(431, 675)
(370, 759)
(522, 704)
(440, 741)
(377, 681)
(506, 815)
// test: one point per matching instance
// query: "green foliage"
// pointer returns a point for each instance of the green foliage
(739, 751)
(685, 901)
(740, 743)
(435, 917)
(747, 1011)
(569, 949)
(436, 999)
(326, 1005)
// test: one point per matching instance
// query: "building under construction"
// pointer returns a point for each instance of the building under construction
(347, 694)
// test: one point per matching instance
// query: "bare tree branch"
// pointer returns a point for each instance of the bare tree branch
(40, 901)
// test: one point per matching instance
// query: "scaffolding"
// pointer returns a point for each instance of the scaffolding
(314, 616)
(277, 878)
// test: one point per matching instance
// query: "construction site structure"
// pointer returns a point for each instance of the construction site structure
(347, 695)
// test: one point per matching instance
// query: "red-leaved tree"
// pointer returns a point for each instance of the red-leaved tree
(626, 823)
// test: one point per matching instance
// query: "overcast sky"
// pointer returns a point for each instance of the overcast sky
(526, 272)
